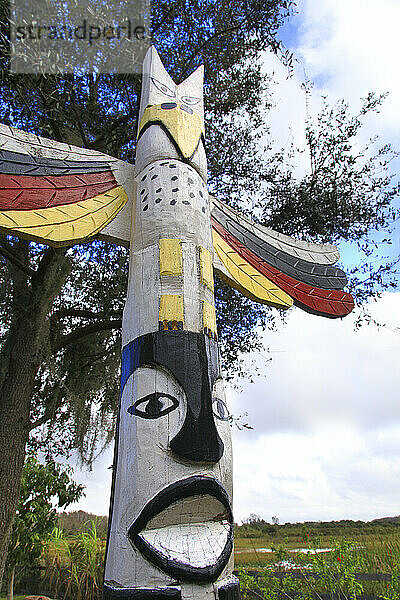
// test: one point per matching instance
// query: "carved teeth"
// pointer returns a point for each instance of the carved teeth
(197, 545)
(193, 531)
(195, 509)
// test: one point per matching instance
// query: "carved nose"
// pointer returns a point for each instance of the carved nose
(198, 439)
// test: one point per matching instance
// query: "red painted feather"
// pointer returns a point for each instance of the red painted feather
(26, 192)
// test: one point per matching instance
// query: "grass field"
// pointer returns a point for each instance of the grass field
(353, 550)
(375, 546)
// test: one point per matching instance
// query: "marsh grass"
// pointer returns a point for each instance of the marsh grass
(334, 572)
(75, 565)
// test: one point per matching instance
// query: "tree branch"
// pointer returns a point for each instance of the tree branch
(82, 332)
(50, 408)
(96, 144)
(84, 314)
(78, 118)
(15, 261)
(39, 422)
(206, 42)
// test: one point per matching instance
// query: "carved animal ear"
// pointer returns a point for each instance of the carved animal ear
(193, 84)
(157, 85)
(153, 67)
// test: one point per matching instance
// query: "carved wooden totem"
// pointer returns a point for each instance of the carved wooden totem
(171, 525)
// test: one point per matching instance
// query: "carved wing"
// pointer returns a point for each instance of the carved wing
(61, 194)
(276, 269)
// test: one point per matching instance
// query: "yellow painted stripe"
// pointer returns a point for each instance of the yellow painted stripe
(171, 308)
(69, 223)
(206, 269)
(209, 319)
(170, 257)
(247, 279)
(185, 128)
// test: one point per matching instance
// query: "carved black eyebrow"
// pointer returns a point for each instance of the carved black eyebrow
(217, 414)
(160, 85)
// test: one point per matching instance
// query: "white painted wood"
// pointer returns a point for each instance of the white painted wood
(143, 298)
(151, 93)
(17, 140)
(145, 467)
(119, 230)
(171, 202)
(198, 544)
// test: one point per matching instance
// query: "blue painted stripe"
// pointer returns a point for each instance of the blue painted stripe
(130, 362)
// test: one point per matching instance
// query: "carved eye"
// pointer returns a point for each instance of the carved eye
(153, 406)
(163, 88)
(220, 410)
(190, 100)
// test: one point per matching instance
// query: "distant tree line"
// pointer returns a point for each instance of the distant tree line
(254, 526)
(79, 520)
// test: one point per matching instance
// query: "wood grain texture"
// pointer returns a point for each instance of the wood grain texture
(38, 147)
(26, 192)
(315, 274)
(184, 129)
(40, 174)
(171, 309)
(209, 319)
(19, 163)
(206, 268)
(170, 257)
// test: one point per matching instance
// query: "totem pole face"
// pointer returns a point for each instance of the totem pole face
(171, 526)
(185, 524)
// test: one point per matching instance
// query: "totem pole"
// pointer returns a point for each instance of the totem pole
(171, 524)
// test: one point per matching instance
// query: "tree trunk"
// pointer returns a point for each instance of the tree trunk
(15, 401)
(10, 585)
(20, 359)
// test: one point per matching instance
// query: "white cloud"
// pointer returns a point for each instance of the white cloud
(326, 443)
(351, 47)
(97, 485)
(347, 48)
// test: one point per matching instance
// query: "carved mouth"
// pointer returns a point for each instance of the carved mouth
(187, 529)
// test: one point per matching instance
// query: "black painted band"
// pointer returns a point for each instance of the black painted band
(171, 138)
(160, 593)
(17, 163)
(192, 359)
(230, 591)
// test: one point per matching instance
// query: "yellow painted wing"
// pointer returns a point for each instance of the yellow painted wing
(58, 225)
(245, 278)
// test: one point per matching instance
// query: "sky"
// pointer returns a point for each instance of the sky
(326, 409)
